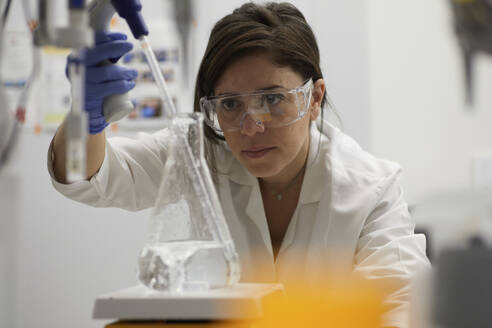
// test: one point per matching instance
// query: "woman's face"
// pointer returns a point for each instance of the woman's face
(266, 152)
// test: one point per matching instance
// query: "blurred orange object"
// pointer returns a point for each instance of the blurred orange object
(114, 127)
(345, 304)
(37, 129)
(156, 324)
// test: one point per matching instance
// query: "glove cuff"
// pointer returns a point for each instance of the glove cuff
(97, 124)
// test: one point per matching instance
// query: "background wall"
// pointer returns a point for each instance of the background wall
(418, 114)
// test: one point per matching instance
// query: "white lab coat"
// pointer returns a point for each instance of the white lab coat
(351, 213)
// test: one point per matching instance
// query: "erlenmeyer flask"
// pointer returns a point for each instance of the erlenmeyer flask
(189, 245)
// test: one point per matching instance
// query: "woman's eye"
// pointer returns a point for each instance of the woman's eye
(229, 104)
(273, 99)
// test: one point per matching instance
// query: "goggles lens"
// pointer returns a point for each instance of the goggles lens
(271, 109)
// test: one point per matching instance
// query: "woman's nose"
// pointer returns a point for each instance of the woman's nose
(252, 124)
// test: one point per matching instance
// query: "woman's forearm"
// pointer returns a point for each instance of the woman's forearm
(96, 144)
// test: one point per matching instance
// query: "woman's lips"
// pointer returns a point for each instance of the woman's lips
(257, 152)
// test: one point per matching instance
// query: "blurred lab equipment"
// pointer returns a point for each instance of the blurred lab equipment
(460, 223)
(183, 13)
(459, 227)
(473, 26)
(10, 125)
(463, 286)
(78, 36)
(8, 129)
(6, 120)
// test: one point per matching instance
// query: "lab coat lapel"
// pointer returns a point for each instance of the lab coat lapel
(256, 213)
(311, 190)
(256, 262)
(253, 254)
(344, 205)
(254, 208)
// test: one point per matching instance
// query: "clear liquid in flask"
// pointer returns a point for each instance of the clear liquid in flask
(183, 265)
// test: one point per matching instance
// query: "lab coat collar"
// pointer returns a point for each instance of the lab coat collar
(312, 185)
(230, 168)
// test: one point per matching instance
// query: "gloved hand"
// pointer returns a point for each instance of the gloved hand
(103, 81)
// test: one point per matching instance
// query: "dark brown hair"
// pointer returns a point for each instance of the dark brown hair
(278, 29)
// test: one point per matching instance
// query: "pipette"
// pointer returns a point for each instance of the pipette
(167, 102)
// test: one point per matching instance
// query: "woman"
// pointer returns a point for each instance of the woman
(295, 199)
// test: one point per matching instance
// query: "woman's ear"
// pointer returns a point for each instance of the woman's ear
(317, 98)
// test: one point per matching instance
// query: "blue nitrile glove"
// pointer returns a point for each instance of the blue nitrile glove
(102, 81)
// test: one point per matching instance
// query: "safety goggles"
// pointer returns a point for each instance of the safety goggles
(269, 109)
